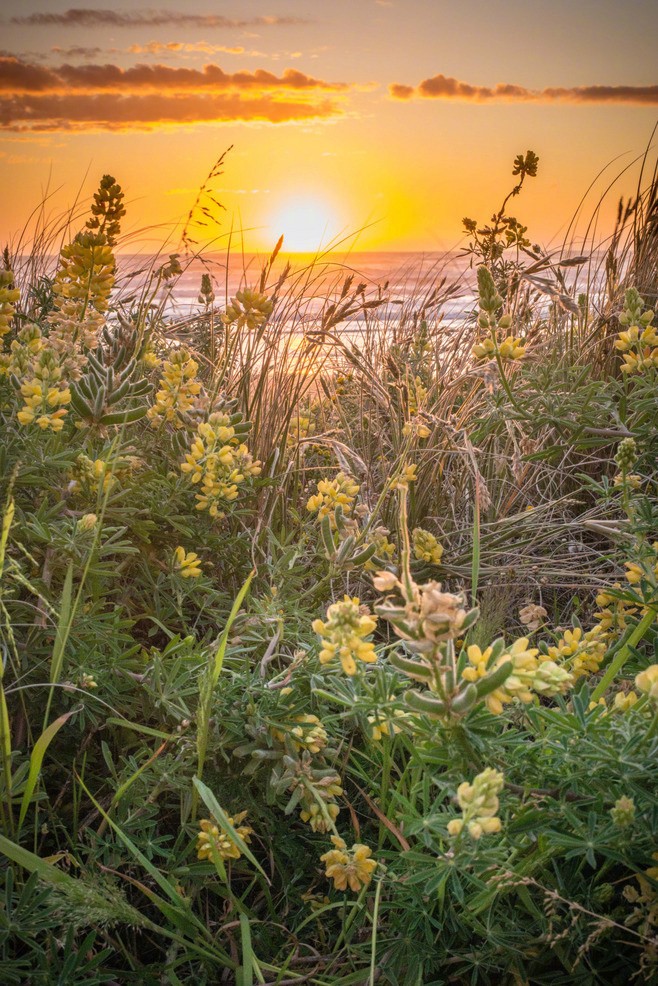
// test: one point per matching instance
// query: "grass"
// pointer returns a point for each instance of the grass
(365, 692)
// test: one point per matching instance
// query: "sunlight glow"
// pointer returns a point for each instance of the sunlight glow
(307, 223)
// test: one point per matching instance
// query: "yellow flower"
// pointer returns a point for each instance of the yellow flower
(8, 296)
(632, 480)
(416, 428)
(510, 348)
(343, 634)
(211, 836)
(625, 701)
(308, 734)
(340, 491)
(178, 390)
(647, 682)
(426, 547)
(299, 427)
(528, 674)
(249, 308)
(87, 522)
(353, 867)
(406, 476)
(614, 610)
(580, 652)
(219, 463)
(636, 335)
(315, 817)
(45, 394)
(187, 564)
(479, 805)
(381, 725)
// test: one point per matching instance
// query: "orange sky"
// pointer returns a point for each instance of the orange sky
(392, 117)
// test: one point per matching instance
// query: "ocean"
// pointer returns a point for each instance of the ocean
(403, 283)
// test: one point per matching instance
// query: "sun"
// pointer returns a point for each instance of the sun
(308, 223)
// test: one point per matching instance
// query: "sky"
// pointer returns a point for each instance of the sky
(373, 124)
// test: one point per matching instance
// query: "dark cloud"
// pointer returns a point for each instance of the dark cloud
(18, 76)
(78, 51)
(86, 17)
(75, 112)
(446, 87)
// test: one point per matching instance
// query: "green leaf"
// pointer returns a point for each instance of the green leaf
(36, 760)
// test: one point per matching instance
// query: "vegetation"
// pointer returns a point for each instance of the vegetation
(330, 659)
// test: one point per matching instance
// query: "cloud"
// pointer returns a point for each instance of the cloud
(446, 87)
(86, 17)
(79, 51)
(20, 77)
(178, 47)
(81, 112)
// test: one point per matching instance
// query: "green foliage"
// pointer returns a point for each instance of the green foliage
(488, 781)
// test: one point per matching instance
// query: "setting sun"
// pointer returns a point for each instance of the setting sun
(308, 223)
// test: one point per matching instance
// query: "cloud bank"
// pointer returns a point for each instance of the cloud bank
(86, 17)
(446, 87)
(107, 97)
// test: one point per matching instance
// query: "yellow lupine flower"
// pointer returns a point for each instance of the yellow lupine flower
(349, 867)
(219, 463)
(343, 634)
(479, 805)
(212, 836)
(248, 308)
(340, 491)
(178, 390)
(625, 701)
(647, 682)
(187, 564)
(426, 547)
(406, 476)
(580, 652)
(313, 815)
(8, 296)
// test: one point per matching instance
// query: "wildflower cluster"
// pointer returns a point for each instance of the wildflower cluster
(82, 287)
(338, 492)
(88, 476)
(479, 805)
(579, 651)
(212, 839)
(646, 569)
(351, 868)
(428, 616)
(639, 342)
(249, 308)
(344, 632)
(308, 734)
(385, 550)
(9, 294)
(178, 390)
(530, 674)
(300, 427)
(318, 808)
(417, 395)
(426, 548)
(497, 344)
(45, 394)
(219, 462)
(614, 609)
